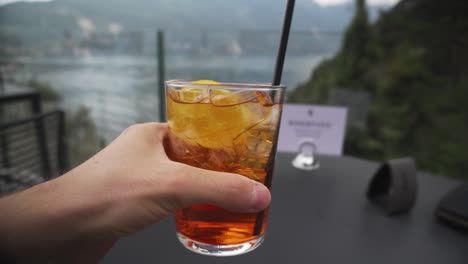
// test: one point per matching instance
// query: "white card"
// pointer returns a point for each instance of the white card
(323, 124)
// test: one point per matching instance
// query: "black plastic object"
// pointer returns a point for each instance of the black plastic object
(453, 208)
(394, 186)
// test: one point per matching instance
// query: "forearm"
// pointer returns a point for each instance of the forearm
(47, 221)
(129, 185)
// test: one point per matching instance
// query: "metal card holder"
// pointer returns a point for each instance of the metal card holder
(306, 158)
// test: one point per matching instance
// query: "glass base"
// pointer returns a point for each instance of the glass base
(219, 250)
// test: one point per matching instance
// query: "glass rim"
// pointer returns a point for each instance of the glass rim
(225, 85)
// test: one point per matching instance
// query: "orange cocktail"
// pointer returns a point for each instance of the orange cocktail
(230, 128)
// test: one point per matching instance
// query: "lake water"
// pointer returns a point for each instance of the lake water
(121, 90)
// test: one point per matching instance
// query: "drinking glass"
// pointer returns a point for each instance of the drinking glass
(227, 127)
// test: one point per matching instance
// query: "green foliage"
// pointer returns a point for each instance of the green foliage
(47, 92)
(413, 64)
(316, 89)
(81, 134)
(82, 139)
(355, 51)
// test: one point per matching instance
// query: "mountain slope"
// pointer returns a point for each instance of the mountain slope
(412, 63)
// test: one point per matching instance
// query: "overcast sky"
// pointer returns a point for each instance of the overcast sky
(320, 2)
(2, 2)
(370, 2)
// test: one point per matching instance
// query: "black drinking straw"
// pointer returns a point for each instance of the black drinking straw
(276, 81)
(283, 42)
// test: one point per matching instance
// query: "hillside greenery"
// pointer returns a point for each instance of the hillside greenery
(413, 64)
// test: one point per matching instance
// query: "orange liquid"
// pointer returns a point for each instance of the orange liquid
(235, 138)
(213, 225)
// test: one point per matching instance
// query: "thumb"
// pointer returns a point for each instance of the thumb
(190, 185)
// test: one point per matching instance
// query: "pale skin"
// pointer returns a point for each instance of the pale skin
(128, 186)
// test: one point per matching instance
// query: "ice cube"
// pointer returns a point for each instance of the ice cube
(228, 98)
(263, 98)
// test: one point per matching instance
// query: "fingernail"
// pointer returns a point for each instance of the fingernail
(260, 198)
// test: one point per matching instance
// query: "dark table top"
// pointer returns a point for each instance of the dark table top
(323, 217)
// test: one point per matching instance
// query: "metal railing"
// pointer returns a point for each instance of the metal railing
(35, 144)
(29, 139)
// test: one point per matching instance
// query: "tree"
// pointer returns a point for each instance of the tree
(356, 50)
(413, 64)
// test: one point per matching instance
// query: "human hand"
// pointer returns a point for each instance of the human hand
(129, 185)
